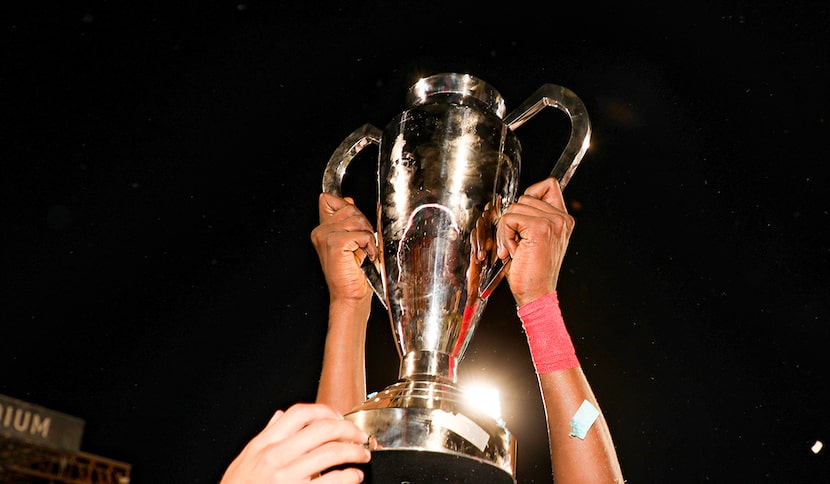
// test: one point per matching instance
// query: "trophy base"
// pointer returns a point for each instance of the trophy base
(417, 426)
(425, 467)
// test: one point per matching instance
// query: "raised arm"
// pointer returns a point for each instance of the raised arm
(313, 441)
(535, 233)
(342, 240)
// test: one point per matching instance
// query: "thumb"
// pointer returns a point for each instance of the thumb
(329, 204)
(546, 190)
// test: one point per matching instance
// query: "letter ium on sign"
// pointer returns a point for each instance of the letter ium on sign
(33, 423)
(24, 421)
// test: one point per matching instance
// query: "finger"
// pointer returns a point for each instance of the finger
(297, 417)
(547, 190)
(527, 205)
(327, 456)
(345, 221)
(321, 433)
(476, 245)
(346, 476)
(283, 424)
(328, 204)
(337, 211)
(319, 422)
(486, 234)
(320, 446)
(359, 242)
(517, 228)
(275, 417)
(508, 233)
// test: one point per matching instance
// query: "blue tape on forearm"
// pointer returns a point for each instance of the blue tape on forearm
(583, 419)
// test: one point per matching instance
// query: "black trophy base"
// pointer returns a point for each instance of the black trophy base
(401, 466)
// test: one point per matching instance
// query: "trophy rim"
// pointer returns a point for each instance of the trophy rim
(465, 85)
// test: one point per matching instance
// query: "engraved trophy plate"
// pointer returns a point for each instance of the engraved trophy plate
(448, 168)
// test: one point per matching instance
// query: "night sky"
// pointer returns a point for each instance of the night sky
(160, 172)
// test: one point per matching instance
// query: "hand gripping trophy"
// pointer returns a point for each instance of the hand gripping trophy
(448, 168)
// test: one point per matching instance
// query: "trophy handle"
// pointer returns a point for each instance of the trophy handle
(567, 101)
(333, 183)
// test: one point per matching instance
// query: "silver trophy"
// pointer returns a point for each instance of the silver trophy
(448, 168)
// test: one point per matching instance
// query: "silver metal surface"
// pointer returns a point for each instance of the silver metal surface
(448, 168)
(434, 417)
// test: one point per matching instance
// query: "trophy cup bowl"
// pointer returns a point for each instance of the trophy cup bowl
(448, 167)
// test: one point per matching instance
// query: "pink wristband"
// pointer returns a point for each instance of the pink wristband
(550, 344)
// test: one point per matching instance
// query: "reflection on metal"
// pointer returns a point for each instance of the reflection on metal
(453, 225)
(448, 169)
(436, 417)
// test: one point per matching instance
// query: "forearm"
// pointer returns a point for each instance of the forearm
(343, 378)
(582, 452)
(574, 459)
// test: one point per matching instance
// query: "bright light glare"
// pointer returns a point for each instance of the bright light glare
(817, 447)
(486, 399)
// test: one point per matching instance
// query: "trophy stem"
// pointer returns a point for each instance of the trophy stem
(431, 365)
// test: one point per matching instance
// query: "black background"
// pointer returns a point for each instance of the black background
(161, 164)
